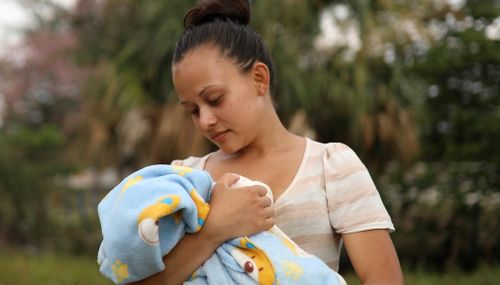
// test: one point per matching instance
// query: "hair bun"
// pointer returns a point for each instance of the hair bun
(208, 10)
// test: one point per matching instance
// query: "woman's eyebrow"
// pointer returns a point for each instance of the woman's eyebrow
(200, 93)
(205, 89)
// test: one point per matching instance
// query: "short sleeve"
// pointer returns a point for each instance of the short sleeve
(354, 204)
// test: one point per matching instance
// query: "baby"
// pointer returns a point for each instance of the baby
(145, 216)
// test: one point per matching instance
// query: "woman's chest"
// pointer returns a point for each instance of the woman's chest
(278, 172)
(303, 209)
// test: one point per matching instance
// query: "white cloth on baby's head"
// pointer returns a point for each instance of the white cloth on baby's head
(245, 182)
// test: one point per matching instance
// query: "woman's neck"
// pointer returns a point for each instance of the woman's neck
(272, 138)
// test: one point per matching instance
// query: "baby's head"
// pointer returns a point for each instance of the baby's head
(245, 182)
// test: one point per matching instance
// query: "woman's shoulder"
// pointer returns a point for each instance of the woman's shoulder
(333, 150)
(337, 158)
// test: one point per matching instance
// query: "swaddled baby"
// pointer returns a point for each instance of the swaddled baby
(145, 216)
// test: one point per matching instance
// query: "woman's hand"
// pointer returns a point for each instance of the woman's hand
(237, 212)
(233, 213)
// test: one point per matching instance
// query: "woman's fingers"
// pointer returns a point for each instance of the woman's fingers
(268, 212)
(238, 212)
(228, 179)
(266, 202)
(264, 199)
(268, 223)
(261, 191)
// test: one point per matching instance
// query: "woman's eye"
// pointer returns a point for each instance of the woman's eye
(215, 101)
(194, 111)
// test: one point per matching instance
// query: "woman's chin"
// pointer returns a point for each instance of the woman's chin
(227, 147)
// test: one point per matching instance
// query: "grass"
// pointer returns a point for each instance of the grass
(485, 275)
(19, 268)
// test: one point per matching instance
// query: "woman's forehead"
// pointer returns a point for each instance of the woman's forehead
(203, 66)
(199, 59)
(205, 53)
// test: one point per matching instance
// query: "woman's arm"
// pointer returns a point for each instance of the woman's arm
(373, 257)
(233, 213)
(183, 260)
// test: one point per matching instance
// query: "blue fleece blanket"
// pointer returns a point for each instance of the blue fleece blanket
(145, 216)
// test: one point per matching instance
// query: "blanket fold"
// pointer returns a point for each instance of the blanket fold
(149, 212)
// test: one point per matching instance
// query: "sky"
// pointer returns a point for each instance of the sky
(14, 17)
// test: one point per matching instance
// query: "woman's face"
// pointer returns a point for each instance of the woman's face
(224, 103)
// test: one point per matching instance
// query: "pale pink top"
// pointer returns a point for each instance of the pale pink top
(331, 194)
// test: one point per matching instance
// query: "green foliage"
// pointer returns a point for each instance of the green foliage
(463, 102)
(451, 208)
(451, 202)
(132, 42)
(33, 142)
(28, 165)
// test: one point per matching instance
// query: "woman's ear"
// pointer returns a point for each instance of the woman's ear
(261, 77)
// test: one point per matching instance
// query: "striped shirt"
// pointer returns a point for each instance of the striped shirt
(331, 194)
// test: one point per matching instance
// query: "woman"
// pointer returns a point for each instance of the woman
(224, 77)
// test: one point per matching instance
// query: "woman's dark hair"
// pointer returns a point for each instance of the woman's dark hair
(224, 24)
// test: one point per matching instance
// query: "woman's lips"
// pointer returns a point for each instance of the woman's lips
(219, 137)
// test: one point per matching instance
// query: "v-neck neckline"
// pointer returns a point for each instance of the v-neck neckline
(295, 178)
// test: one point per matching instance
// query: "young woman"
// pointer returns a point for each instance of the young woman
(323, 194)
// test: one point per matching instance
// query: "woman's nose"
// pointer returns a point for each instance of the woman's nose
(207, 119)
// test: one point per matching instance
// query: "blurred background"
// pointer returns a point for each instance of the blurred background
(412, 86)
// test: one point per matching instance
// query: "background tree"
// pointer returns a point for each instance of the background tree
(449, 201)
